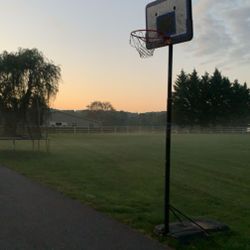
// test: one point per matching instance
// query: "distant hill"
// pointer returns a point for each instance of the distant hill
(120, 118)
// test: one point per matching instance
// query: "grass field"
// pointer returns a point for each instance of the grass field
(122, 175)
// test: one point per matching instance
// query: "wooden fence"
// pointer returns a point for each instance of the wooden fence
(147, 129)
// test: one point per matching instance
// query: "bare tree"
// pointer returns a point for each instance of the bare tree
(100, 106)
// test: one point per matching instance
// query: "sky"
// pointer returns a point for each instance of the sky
(89, 40)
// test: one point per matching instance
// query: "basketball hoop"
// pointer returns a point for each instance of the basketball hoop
(144, 41)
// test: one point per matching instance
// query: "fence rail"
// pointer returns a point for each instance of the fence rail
(132, 129)
(147, 129)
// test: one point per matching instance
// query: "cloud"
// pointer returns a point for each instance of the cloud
(222, 32)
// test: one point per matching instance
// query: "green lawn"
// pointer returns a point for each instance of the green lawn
(122, 175)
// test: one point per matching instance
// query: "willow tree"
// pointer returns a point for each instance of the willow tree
(28, 81)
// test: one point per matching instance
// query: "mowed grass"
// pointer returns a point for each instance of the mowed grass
(123, 176)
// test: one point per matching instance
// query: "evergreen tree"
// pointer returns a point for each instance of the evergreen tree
(219, 98)
(240, 103)
(195, 98)
(181, 103)
(205, 104)
(210, 100)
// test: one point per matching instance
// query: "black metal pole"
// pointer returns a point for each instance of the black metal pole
(168, 142)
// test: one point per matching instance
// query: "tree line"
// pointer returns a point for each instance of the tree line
(210, 100)
(207, 100)
(105, 113)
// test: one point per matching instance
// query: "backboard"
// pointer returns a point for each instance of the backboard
(171, 19)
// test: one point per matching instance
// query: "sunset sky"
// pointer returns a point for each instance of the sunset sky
(90, 41)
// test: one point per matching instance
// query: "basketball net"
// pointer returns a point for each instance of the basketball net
(142, 39)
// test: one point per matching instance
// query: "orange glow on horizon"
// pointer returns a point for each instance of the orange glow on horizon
(136, 107)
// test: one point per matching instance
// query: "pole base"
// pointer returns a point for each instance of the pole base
(186, 231)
